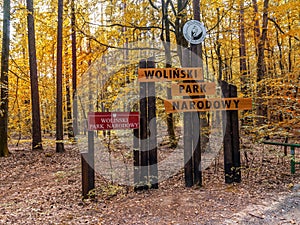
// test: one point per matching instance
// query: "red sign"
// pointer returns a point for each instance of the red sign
(113, 120)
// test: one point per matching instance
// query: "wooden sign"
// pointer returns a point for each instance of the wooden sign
(113, 120)
(194, 105)
(192, 89)
(169, 74)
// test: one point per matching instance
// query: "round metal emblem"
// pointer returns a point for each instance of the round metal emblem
(194, 31)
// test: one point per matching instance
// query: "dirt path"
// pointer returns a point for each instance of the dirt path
(45, 188)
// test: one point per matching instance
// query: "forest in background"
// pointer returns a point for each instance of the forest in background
(252, 44)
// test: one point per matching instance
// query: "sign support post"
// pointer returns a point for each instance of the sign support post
(145, 160)
(152, 144)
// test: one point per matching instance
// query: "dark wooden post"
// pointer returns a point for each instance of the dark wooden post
(196, 61)
(84, 174)
(188, 150)
(187, 136)
(91, 171)
(235, 139)
(143, 132)
(227, 141)
(152, 144)
(87, 167)
(197, 149)
(136, 158)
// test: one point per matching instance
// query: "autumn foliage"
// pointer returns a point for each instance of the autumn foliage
(103, 26)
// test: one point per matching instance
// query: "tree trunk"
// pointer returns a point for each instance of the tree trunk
(261, 67)
(167, 40)
(242, 51)
(59, 108)
(67, 70)
(218, 50)
(4, 79)
(35, 100)
(74, 69)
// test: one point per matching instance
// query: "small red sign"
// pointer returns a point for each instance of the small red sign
(113, 120)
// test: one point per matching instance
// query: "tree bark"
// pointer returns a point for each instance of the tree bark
(4, 80)
(167, 41)
(261, 67)
(242, 51)
(74, 69)
(59, 110)
(35, 99)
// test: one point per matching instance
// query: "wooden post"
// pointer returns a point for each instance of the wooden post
(143, 132)
(196, 61)
(84, 174)
(227, 141)
(87, 173)
(197, 149)
(152, 144)
(91, 171)
(235, 139)
(136, 158)
(188, 150)
(187, 136)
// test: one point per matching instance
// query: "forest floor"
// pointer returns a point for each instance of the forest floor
(44, 187)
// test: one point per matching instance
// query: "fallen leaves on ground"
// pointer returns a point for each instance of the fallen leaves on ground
(44, 187)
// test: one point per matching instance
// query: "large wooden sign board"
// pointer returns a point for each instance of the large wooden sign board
(202, 104)
(169, 74)
(193, 89)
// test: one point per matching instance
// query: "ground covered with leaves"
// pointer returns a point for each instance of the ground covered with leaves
(44, 187)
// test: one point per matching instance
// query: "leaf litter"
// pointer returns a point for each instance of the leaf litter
(44, 187)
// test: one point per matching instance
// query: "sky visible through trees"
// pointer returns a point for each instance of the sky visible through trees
(103, 26)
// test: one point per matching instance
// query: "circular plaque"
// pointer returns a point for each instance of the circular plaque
(194, 31)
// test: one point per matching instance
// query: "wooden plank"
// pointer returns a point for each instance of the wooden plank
(235, 139)
(143, 133)
(193, 89)
(227, 140)
(194, 105)
(152, 144)
(187, 136)
(169, 74)
(196, 148)
(188, 150)
(136, 158)
(91, 160)
(84, 174)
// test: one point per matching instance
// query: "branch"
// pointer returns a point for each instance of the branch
(152, 4)
(279, 28)
(132, 26)
(184, 6)
(173, 8)
(19, 68)
(111, 46)
(223, 15)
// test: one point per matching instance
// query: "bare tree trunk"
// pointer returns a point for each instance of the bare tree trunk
(4, 80)
(35, 99)
(74, 69)
(200, 138)
(68, 96)
(167, 40)
(59, 108)
(67, 83)
(242, 51)
(218, 50)
(256, 24)
(261, 67)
